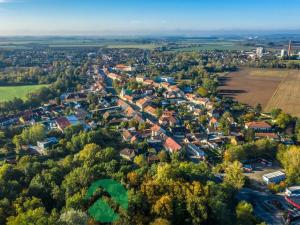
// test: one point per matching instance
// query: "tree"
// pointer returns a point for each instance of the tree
(234, 175)
(297, 130)
(202, 91)
(164, 207)
(72, 217)
(275, 113)
(140, 160)
(249, 135)
(258, 109)
(283, 120)
(244, 213)
(224, 123)
(290, 160)
(160, 221)
(163, 156)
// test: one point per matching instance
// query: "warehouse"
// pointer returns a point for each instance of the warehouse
(275, 177)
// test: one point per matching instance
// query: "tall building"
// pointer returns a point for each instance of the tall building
(259, 51)
(290, 49)
(283, 53)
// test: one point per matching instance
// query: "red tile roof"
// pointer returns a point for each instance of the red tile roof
(258, 124)
(62, 123)
(172, 145)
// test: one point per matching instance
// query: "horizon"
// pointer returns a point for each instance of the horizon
(132, 17)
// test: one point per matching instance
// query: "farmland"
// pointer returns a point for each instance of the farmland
(11, 92)
(287, 95)
(271, 88)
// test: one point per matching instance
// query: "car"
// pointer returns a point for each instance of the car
(265, 162)
(247, 168)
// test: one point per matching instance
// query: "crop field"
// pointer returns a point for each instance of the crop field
(287, 95)
(271, 88)
(10, 92)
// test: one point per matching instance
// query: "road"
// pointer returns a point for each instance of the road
(269, 214)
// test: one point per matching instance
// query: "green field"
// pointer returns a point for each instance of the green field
(9, 93)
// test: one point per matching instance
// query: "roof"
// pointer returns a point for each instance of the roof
(258, 124)
(128, 152)
(150, 109)
(155, 128)
(274, 174)
(127, 134)
(267, 135)
(172, 144)
(63, 122)
(142, 101)
(73, 120)
(294, 188)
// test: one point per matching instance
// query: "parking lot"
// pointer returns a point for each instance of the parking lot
(258, 170)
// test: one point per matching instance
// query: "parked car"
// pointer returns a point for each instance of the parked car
(265, 162)
(247, 168)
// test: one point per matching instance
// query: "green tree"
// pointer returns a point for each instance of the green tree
(244, 214)
(290, 160)
(202, 91)
(234, 175)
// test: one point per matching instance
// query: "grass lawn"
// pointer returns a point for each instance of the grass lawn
(10, 92)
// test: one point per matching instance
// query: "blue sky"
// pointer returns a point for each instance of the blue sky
(145, 16)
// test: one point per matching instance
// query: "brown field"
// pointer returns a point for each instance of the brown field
(287, 95)
(270, 88)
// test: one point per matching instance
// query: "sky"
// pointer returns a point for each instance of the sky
(125, 17)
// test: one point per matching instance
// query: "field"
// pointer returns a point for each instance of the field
(287, 95)
(270, 88)
(8, 93)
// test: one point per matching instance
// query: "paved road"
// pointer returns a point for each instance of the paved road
(270, 215)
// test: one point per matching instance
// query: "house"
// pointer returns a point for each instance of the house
(214, 122)
(214, 113)
(190, 97)
(128, 154)
(122, 104)
(62, 123)
(274, 178)
(151, 110)
(114, 76)
(128, 98)
(271, 136)
(168, 120)
(148, 82)
(139, 79)
(165, 85)
(171, 145)
(123, 67)
(195, 151)
(170, 94)
(142, 103)
(73, 120)
(138, 117)
(130, 112)
(49, 142)
(169, 80)
(261, 126)
(75, 97)
(156, 130)
(127, 135)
